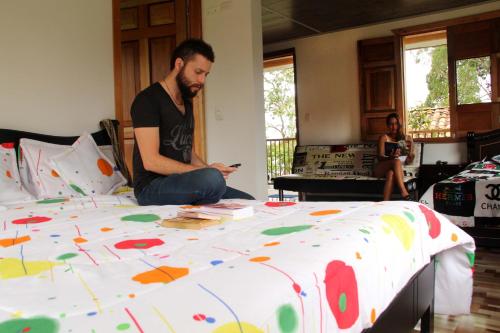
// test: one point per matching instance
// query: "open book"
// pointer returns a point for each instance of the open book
(390, 147)
(220, 210)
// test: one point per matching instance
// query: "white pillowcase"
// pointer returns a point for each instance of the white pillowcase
(37, 172)
(11, 189)
(86, 169)
(108, 152)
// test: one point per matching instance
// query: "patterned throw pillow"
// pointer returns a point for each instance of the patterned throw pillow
(37, 172)
(10, 181)
(108, 152)
(413, 168)
(86, 169)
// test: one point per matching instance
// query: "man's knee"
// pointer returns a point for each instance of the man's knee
(214, 179)
(389, 174)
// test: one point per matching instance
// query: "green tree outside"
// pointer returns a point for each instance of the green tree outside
(473, 84)
(279, 103)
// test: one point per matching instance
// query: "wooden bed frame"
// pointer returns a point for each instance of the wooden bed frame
(413, 303)
(486, 231)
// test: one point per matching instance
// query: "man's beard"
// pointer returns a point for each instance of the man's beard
(185, 87)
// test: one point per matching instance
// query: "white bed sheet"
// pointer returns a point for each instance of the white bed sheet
(103, 264)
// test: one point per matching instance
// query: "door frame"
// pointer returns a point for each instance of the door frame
(193, 30)
(284, 53)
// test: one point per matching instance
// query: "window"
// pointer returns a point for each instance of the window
(427, 107)
(280, 112)
(442, 78)
(473, 80)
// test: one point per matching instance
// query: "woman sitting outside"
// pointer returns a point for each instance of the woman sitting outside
(389, 164)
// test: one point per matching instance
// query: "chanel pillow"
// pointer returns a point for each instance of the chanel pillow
(496, 159)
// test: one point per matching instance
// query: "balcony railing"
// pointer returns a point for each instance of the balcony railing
(437, 123)
(279, 157)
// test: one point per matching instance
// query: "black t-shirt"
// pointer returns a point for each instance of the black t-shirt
(153, 107)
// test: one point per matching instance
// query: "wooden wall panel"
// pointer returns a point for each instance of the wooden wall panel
(130, 77)
(162, 13)
(474, 121)
(380, 89)
(128, 147)
(129, 18)
(471, 40)
(374, 126)
(160, 50)
(377, 50)
(379, 76)
(474, 117)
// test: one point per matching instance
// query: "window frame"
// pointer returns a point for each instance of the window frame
(459, 111)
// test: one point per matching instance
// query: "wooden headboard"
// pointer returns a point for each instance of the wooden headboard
(483, 145)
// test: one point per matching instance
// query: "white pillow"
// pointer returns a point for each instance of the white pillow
(40, 184)
(37, 172)
(86, 169)
(413, 168)
(107, 150)
(11, 188)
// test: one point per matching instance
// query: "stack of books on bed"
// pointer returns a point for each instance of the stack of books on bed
(197, 217)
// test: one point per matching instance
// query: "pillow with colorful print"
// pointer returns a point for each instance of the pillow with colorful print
(107, 150)
(10, 181)
(484, 165)
(86, 169)
(37, 172)
(496, 159)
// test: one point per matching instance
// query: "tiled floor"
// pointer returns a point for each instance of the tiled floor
(289, 196)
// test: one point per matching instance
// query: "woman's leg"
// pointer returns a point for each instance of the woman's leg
(381, 170)
(384, 169)
(389, 183)
(398, 174)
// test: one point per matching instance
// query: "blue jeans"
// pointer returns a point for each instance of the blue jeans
(201, 186)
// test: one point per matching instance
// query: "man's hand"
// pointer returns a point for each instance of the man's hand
(225, 170)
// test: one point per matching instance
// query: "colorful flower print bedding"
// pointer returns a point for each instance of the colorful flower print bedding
(103, 264)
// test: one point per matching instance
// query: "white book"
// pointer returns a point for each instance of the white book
(232, 210)
(190, 213)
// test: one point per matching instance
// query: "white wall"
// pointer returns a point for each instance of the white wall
(234, 102)
(327, 87)
(56, 65)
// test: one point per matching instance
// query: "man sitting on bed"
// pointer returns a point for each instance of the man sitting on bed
(166, 169)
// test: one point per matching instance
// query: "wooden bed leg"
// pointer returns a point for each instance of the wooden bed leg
(427, 321)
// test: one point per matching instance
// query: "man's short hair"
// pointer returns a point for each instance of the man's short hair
(191, 47)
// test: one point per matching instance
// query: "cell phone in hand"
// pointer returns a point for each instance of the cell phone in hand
(236, 165)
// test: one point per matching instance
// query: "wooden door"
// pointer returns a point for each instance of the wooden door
(467, 41)
(379, 77)
(145, 34)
